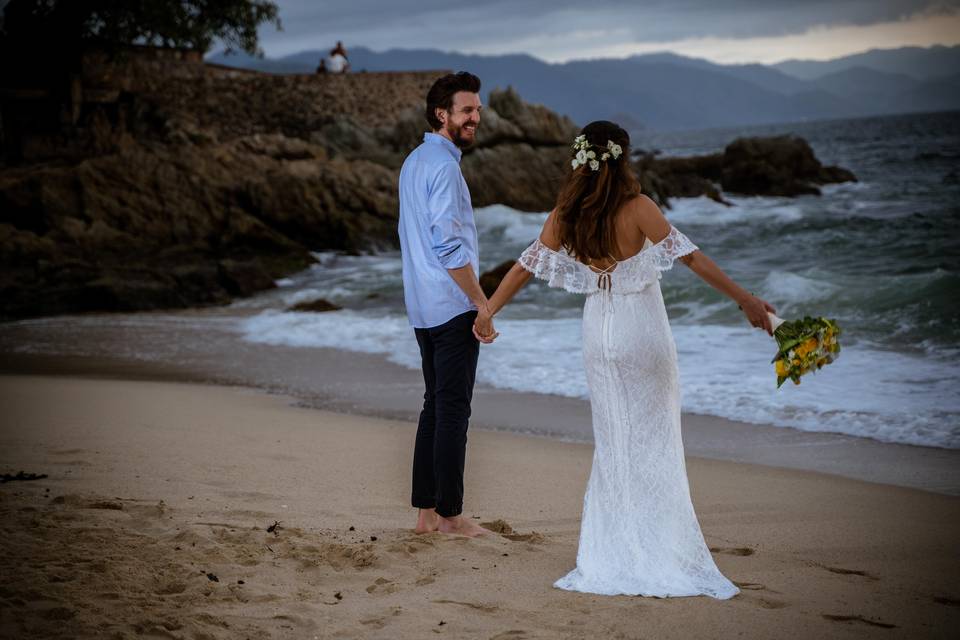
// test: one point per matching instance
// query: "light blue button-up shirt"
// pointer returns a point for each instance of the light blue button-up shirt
(437, 232)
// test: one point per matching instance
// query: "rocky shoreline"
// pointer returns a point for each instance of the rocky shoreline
(164, 182)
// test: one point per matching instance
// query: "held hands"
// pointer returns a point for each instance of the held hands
(756, 310)
(483, 326)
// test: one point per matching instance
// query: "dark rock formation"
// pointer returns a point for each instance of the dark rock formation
(777, 166)
(774, 166)
(680, 177)
(153, 182)
(521, 154)
(490, 280)
(316, 306)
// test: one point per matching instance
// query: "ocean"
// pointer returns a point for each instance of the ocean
(881, 256)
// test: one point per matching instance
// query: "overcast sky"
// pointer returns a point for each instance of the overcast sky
(559, 30)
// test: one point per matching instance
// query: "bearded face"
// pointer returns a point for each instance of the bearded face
(461, 122)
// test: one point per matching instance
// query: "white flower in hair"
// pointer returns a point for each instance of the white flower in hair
(587, 156)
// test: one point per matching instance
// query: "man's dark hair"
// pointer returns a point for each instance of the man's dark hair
(441, 94)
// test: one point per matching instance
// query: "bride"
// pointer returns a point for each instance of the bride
(639, 534)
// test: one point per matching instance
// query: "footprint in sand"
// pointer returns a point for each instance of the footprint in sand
(68, 452)
(860, 619)
(503, 528)
(413, 545)
(770, 603)
(171, 589)
(733, 551)
(849, 572)
(485, 608)
(374, 623)
(338, 556)
(109, 505)
(74, 463)
(750, 586)
(291, 622)
(382, 586)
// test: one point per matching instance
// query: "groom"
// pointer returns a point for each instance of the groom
(438, 245)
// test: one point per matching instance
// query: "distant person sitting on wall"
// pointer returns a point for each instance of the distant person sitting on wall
(337, 62)
(322, 67)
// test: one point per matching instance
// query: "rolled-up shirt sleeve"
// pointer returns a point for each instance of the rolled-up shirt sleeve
(446, 219)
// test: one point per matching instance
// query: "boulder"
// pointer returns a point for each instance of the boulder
(316, 306)
(772, 166)
(540, 126)
(518, 175)
(691, 177)
(490, 280)
(775, 166)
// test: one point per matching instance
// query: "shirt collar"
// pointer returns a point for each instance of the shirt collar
(436, 138)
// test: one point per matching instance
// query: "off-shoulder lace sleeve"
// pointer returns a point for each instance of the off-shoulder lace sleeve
(557, 268)
(675, 245)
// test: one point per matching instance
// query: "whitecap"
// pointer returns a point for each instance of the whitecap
(703, 210)
(786, 287)
(516, 226)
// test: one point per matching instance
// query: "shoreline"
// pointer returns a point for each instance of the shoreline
(369, 385)
(153, 521)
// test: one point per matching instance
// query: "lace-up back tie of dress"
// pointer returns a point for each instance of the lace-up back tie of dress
(604, 283)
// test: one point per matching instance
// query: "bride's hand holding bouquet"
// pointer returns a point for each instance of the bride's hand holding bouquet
(803, 345)
(758, 312)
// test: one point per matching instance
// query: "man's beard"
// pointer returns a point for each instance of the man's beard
(456, 134)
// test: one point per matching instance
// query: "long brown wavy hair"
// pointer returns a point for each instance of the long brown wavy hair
(589, 200)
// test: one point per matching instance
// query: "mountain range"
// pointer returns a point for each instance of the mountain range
(665, 91)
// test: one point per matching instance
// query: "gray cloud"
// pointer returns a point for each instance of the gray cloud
(536, 26)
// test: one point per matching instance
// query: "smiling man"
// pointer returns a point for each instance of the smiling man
(438, 245)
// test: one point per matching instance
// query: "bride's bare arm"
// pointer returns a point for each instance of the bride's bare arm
(655, 226)
(509, 286)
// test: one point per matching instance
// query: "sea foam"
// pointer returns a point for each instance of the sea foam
(725, 371)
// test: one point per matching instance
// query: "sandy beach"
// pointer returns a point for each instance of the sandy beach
(153, 522)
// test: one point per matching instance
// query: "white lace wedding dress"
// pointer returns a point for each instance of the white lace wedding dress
(639, 534)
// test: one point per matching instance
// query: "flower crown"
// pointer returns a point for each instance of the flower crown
(585, 155)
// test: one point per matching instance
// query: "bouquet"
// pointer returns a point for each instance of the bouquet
(803, 346)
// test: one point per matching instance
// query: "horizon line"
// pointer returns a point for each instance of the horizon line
(266, 56)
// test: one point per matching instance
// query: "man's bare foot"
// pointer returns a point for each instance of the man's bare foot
(427, 521)
(460, 526)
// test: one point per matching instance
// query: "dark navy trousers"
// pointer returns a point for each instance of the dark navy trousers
(449, 360)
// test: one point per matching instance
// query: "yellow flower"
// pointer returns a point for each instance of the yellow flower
(782, 368)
